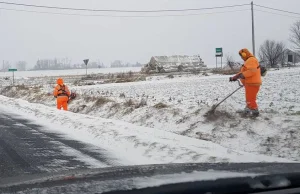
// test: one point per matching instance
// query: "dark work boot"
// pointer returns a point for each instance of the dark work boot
(255, 113)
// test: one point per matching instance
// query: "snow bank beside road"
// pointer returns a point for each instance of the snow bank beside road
(132, 144)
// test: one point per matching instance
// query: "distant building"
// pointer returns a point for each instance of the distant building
(290, 57)
(175, 63)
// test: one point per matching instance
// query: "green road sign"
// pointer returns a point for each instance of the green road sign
(12, 69)
(219, 50)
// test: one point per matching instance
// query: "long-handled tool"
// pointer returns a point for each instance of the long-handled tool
(213, 108)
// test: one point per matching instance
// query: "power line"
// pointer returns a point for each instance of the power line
(276, 13)
(116, 10)
(277, 9)
(119, 16)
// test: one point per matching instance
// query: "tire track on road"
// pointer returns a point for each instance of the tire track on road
(14, 155)
(27, 149)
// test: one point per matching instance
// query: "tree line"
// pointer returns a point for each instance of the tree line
(119, 63)
(20, 65)
(64, 63)
(273, 53)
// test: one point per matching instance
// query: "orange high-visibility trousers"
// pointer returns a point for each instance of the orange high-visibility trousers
(251, 94)
(62, 102)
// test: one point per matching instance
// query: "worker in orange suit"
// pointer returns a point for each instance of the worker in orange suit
(250, 76)
(61, 93)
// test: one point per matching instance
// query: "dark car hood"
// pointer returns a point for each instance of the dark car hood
(129, 177)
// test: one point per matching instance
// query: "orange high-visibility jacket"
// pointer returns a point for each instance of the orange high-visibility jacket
(61, 89)
(250, 69)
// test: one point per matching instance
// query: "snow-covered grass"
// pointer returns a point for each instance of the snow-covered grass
(186, 99)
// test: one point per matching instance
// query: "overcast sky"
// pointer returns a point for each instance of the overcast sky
(32, 36)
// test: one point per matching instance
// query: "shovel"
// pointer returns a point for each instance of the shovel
(213, 108)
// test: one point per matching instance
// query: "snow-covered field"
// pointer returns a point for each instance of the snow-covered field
(167, 121)
(26, 74)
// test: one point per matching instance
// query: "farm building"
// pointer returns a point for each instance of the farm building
(175, 63)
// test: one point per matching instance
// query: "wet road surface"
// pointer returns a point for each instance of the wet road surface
(25, 148)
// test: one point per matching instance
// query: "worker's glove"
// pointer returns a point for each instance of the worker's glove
(233, 79)
(236, 77)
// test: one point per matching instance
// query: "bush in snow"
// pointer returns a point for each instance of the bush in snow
(195, 71)
(122, 95)
(170, 76)
(180, 68)
(205, 74)
(101, 101)
(160, 105)
(142, 103)
(121, 75)
(296, 113)
(130, 74)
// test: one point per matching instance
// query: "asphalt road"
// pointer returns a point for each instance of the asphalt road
(27, 149)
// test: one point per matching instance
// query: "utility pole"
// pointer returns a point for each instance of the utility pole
(253, 36)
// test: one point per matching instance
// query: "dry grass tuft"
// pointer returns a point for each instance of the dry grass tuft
(115, 106)
(129, 103)
(122, 95)
(128, 110)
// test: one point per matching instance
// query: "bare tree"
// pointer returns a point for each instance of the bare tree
(295, 35)
(6, 66)
(230, 62)
(117, 63)
(53, 64)
(272, 53)
(21, 65)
